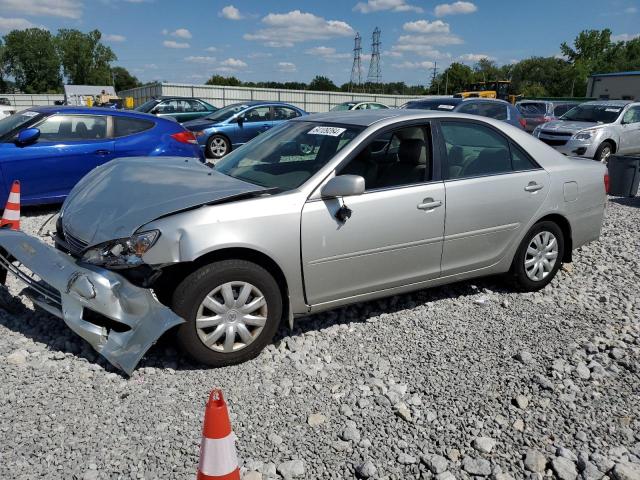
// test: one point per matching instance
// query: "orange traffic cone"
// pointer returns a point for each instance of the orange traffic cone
(218, 460)
(11, 214)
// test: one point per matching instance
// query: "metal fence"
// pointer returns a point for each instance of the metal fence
(221, 96)
(23, 101)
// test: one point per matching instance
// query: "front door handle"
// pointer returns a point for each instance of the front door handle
(102, 152)
(429, 204)
(533, 187)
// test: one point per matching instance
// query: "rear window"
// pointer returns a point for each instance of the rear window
(531, 108)
(128, 126)
(441, 105)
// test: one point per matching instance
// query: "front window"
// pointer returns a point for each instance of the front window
(69, 128)
(593, 113)
(289, 155)
(227, 112)
(17, 121)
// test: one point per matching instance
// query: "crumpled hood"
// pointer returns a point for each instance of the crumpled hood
(117, 198)
(567, 126)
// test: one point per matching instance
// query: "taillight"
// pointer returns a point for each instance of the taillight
(185, 137)
(606, 182)
(523, 122)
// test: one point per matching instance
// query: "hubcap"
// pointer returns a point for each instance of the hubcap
(231, 317)
(541, 257)
(606, 153)
(218, 147)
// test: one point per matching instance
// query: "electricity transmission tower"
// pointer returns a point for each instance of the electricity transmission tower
(375, 76)
(356, 69)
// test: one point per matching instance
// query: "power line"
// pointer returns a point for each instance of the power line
(375, 75)
(356, 69)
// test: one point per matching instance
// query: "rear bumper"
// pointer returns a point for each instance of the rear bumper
(119, 320)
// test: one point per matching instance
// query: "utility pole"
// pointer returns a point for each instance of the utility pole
(446, 82)
(435, 73)
(375, 75)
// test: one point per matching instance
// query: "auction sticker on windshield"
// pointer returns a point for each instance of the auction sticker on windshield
(612, 110)
(446, 107)
(29, 114)
(329, 131)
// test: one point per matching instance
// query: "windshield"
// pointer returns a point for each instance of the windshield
(288, 155)
(17, 121)
(593, 113)
(147, 106)
(342, 106)
(442, 105)
(227, 112)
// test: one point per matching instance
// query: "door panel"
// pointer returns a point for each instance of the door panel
(256, 121)
(485, 215)
(630, 131)
(387, 242)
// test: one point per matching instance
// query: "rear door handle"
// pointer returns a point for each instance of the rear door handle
(429, 204)
(102, 152)
(533, 187)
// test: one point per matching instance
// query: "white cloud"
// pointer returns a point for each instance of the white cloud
(259, 55)
(475, 57)
(327, 53)
(211, 49)
(417, 49)
(112, 37)
(286, 67)
(8, 24)
(53, 8)
(286, 29)
(455, 8)
(381, 5)
(233, 63)
(200, 59)
(230, 13)
(425, 26)
(414, 65)
(173, 44)
(624, 37)
(150, 66)
(631, 10)
(179, 33)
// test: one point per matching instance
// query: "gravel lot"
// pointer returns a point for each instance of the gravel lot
(465, 381)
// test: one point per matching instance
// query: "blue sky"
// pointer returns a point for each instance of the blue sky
(189, 40)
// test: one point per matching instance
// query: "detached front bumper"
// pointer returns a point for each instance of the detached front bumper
(120, 320)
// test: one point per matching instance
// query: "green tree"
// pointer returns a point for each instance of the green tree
(543, 76)
(123, 80)
(85, 60)
(455, 78)
(224, 81)
(323, 84)
(486, 71)
(31, 59)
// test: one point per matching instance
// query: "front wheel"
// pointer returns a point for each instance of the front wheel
(539, 256)
(604, 151)
(217, 147)
(232, 310)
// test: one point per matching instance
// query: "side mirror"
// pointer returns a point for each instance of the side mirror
(28, 136)
(343, 186)
(240, 119)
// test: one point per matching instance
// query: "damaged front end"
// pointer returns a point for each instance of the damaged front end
(120, 320)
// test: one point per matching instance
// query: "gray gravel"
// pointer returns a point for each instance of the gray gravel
(449, 383)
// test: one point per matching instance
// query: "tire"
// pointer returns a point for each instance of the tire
(525, 277)
(207, 283)
(218, 146)
(604, 151)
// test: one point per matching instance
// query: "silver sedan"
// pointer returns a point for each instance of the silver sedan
(320, 212)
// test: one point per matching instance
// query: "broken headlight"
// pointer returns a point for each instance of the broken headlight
(123, 253)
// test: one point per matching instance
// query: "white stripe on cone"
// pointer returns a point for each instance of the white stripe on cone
(14, 197)
(11, 214)
(218, 456)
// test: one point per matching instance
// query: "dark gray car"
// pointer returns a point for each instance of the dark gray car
(484, 107)
(537, 112)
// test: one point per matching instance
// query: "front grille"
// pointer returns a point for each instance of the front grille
(553, 133)
(554, 142)
(39, 287)
(76, 246)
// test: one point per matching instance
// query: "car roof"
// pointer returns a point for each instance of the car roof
(609, 103)
(89, 110)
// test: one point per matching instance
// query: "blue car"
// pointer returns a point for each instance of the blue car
(49, 149)
(236, 124)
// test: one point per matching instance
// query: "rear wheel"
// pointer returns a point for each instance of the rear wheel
(217, 147)
(232, 310)
(604, 151)
(539, 256)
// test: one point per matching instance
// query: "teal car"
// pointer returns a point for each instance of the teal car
(181, 109)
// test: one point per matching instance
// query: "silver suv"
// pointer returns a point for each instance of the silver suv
(595, 130)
